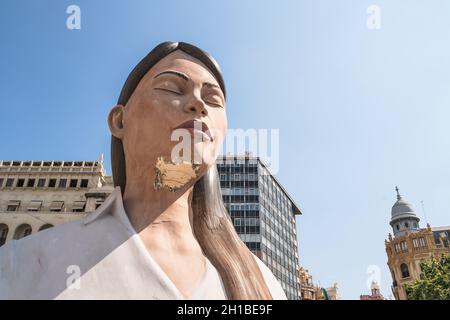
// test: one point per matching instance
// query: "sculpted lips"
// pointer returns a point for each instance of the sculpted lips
(196, 127)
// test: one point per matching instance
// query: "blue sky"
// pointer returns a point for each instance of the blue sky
(359, 111)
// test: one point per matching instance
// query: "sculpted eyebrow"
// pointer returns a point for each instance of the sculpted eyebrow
(215, 86)
(176, 73)
(211, 85)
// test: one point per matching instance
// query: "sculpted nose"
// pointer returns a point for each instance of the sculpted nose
(196, 106)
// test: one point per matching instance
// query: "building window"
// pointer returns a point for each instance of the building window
(30, 183)
(13, 205)
(46, 226)
(56, 206)
(52, 183)
(62, 183)
(73, 183)
(403, 246)
(98, 203)
(405, 271)
(35, 205)
(9, 183)
(419, 242)
(406, 225)
(78, 206)
(84, 183)
(1, 182)
(41, 183)
(422, 242)
(3, 233)
(20, 183)
(22, 231)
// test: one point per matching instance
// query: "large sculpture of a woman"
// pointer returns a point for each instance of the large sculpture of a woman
(164, 233)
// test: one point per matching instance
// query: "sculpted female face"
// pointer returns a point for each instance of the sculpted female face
(173, 125)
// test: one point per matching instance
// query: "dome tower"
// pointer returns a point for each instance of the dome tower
(403, 217)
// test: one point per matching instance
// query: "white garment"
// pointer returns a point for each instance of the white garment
(108, 257)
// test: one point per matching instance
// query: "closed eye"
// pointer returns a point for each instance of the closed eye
(214, 100)
(214, 104)
(169, 90)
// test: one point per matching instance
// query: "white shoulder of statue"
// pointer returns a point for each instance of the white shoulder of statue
(39, 266)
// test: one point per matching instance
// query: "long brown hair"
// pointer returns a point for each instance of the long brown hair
(213, 228)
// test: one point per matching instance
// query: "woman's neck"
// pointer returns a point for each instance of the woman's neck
(162, 218)
(164, 222)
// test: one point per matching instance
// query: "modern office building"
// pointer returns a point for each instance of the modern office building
(264, 216)
(35, 195)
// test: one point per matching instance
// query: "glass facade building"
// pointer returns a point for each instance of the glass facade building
(263, 215)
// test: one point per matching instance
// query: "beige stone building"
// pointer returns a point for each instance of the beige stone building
(411, 245)
(375, 293)
(333, 292)
(307, 288)
(35, 195)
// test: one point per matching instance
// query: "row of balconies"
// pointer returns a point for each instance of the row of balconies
(405, 245)
(43, 183)
(49, 169)
(50, 164)
(35, 206)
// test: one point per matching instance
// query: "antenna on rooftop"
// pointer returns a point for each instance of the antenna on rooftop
(424, 212)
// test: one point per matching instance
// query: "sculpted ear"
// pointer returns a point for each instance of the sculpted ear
(115, 121)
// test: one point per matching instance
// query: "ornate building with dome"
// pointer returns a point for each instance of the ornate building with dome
(375, 293)
(410, 245)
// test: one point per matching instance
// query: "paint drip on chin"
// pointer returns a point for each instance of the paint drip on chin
(173, 176)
